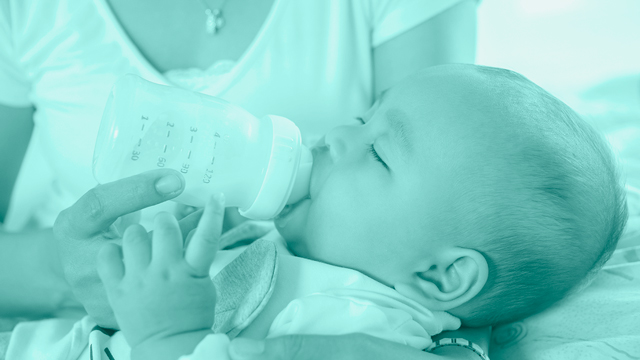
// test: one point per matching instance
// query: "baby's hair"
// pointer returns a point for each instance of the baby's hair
(551, 213)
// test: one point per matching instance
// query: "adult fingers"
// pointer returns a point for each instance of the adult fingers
(96, 210)
(312, 347)
(166, 245)
(136, 248)
(110, 266)
(203, 246)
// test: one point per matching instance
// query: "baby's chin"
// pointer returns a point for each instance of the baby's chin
(292, 224)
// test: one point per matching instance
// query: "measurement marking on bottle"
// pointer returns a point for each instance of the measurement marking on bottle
(189, 156)
(142, 127)
(215, 144)
(140, 142)
(191, 139)
(213, 159)
(168, 133)
(165, 148)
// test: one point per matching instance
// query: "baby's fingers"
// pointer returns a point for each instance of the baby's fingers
(137, 248)
(166, 240)
(110, 266)
(203, 246)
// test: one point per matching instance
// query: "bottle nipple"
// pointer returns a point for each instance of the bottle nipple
(303, 177)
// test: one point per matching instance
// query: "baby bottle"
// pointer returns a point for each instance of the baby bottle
(259, 164)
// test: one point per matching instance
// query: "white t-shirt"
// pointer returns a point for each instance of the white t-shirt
(310, 62)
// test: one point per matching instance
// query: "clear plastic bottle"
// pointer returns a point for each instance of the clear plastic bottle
(259, 164)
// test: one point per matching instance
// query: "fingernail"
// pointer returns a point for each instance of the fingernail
(219, 198)
(243, 348)
(168, 184)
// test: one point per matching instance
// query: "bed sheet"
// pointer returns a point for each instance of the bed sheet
(601, 322)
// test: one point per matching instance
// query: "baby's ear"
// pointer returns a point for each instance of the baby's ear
(453, 278)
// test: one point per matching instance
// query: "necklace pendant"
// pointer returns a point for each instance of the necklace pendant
(215, 21)
(210, 24)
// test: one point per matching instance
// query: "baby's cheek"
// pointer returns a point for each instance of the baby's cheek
(330, 243)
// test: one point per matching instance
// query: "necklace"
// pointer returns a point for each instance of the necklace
(215, 19)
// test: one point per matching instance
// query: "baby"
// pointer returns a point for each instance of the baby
(466, 189)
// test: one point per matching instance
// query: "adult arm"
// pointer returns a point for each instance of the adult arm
(351, 347)
(32, 284)
(478, 336)
(449, 37)
(31, 279)
(16, 125)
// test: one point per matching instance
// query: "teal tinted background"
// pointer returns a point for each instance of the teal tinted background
(565, 46)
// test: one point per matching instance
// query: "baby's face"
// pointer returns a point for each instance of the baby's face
(384, 220)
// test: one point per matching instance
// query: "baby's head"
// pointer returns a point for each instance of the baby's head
(494, 200)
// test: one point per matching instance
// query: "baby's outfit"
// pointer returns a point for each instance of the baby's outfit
(331, 300)
(263, 292)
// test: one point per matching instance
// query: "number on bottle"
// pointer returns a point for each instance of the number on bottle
(161, 161)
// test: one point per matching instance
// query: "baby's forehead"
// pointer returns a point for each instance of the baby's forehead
(457, 96)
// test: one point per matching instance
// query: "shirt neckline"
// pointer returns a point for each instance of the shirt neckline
(241, 65)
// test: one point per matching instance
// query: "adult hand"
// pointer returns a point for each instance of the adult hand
(163, 290)
(347, 347)
(81, 230)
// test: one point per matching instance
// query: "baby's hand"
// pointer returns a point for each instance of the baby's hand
(160, 290)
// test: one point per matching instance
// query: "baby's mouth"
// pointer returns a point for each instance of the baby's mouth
(290, 207)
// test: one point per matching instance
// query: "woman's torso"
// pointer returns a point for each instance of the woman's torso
(300, 63)
(309, 61)
(172, 34)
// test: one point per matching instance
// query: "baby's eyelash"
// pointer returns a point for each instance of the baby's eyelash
(373, 152)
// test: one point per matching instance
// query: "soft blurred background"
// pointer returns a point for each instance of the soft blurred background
(565, 46)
